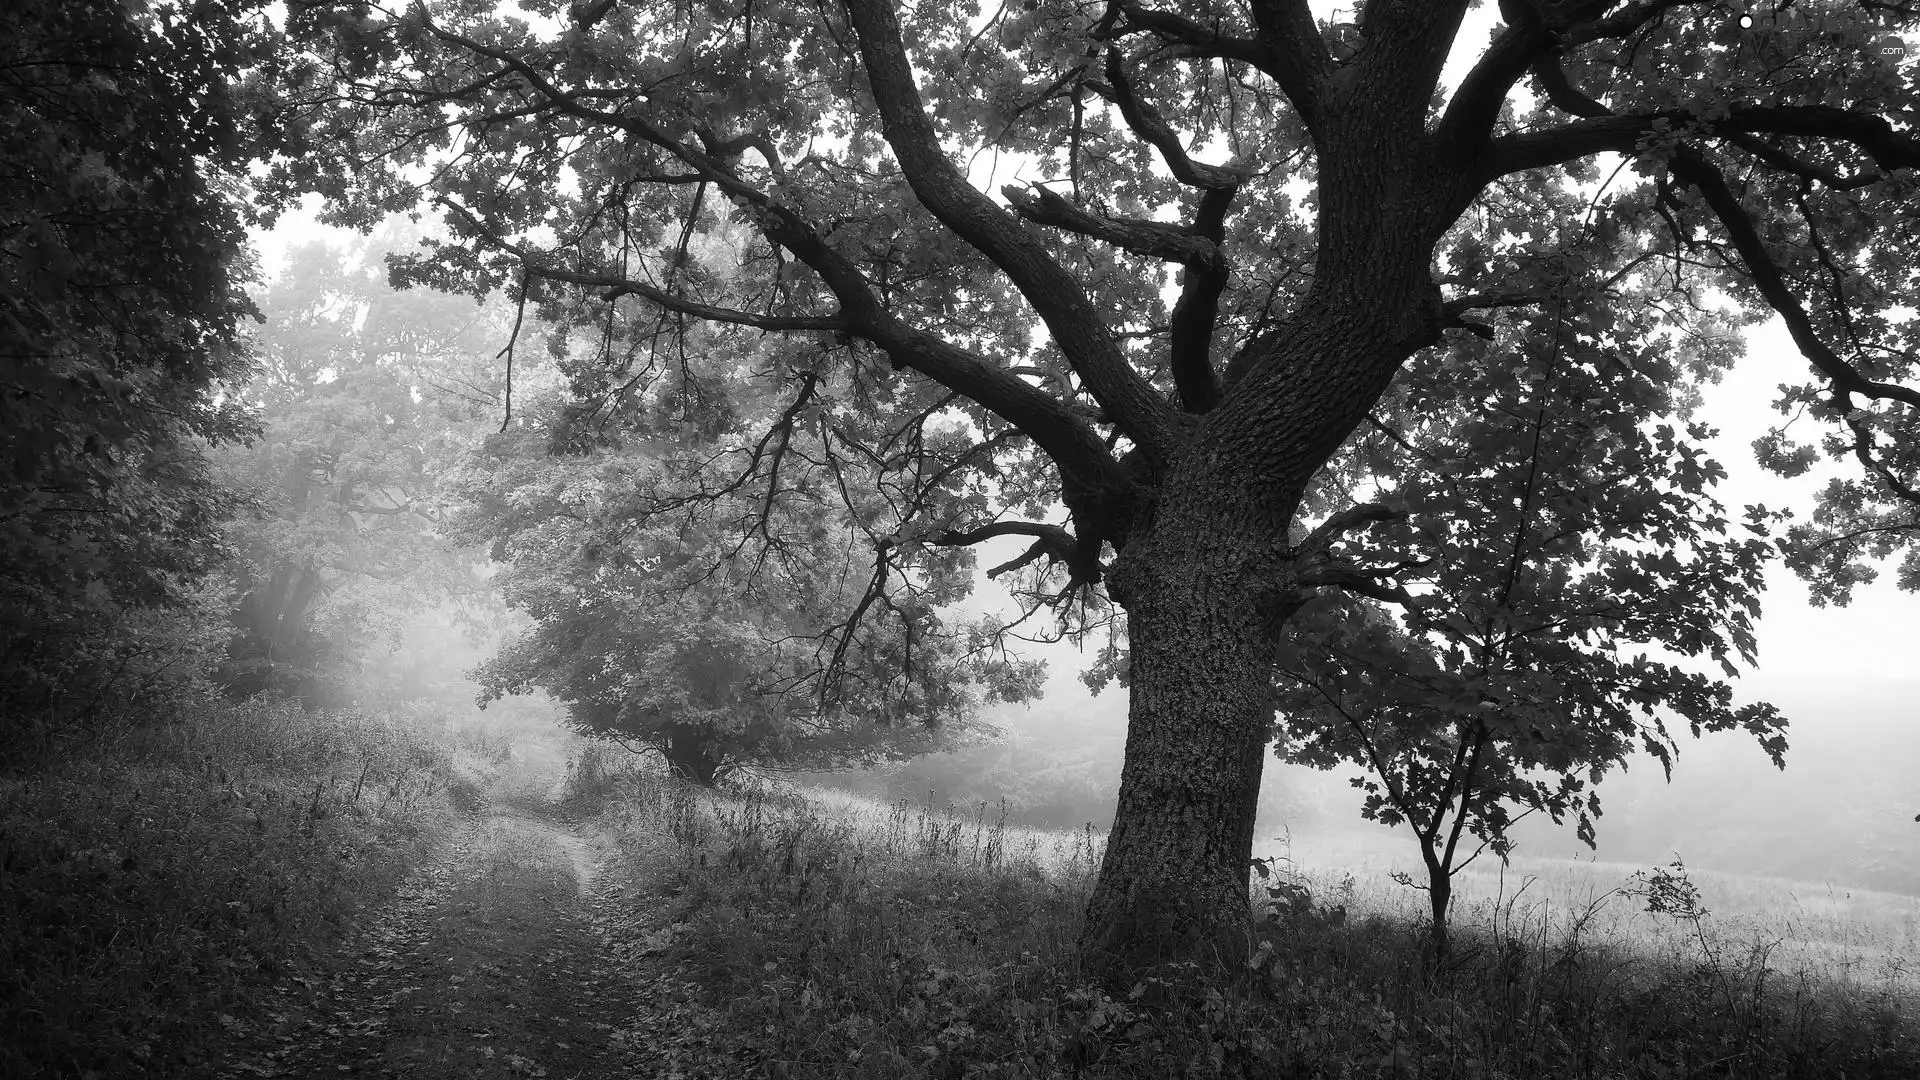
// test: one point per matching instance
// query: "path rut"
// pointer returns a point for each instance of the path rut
(509, 954)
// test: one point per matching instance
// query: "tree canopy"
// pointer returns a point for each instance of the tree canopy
(1156, 261)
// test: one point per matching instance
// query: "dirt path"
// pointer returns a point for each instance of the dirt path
(512, 953)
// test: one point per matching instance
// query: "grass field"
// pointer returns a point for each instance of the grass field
(845, 938)
(1862, 941)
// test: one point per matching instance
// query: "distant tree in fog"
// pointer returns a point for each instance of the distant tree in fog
(654, 633)
(365, 395)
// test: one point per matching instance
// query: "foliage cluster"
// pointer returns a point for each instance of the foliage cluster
(122, 131)
(153, 885)
(912, 942)
(655, 629)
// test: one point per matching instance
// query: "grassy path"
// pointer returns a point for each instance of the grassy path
(509, 954)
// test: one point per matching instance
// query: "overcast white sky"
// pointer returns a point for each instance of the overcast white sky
(1869, 642)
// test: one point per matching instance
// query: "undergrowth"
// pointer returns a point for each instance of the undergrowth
(843, 940)
(151, 882)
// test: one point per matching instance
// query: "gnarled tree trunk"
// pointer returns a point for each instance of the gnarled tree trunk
(1208, 581)
(1173, 883)
(275, 648)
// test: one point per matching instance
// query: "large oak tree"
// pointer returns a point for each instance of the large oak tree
(1220, 230)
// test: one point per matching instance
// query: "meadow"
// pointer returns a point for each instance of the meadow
(1862, 942)
(842, 937)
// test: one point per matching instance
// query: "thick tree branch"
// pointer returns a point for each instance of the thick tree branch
(1314, 565)
(1889, 147)
(1075, 325)
(1032, 554)
(1154, 239)
(1191, 326)
(1623, 22)
(1360, 581)
(1190, 337)
(1336, 527)
(1600, 129)
(1531, 31)
(1492, 298)
(1055, 534)
(1297, 56)
(1406, 48)
(1196, 38)
(1052, 541)
(1452, 311)
(1694, 169)
(1526, 150)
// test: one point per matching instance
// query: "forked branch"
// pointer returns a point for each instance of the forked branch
(1077, 328)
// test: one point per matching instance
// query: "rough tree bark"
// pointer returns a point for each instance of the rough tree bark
(1206, 575)
(1208, 584)
(1439, 898)
(1173, 882)
(275, 648)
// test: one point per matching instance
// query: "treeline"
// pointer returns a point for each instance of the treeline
(214, 486)
(122, 329)
(216, 533)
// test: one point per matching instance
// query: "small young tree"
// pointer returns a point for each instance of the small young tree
(1550, 559)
